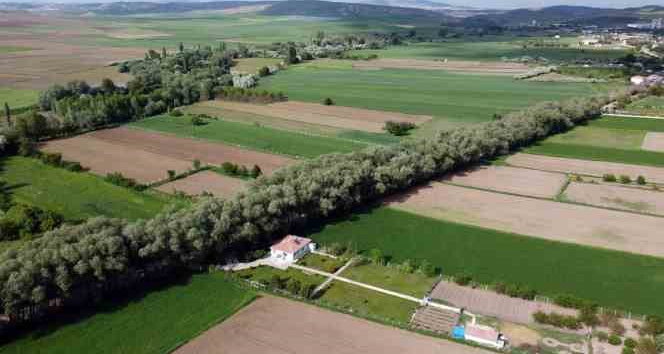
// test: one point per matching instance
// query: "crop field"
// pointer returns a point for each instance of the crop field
(414, 284)
(617, 197)
(546, 219)
(76, 196)
(453, 65)
(649, 106)
(18, 98)
(206, 181)
(585, 167)
(611, 139)
(252, 65)
(462, 99)
(273, 325)
(249, 136)
(510, 180)
(490, 51)
(11, 49)
(158, 322)
(608, 277)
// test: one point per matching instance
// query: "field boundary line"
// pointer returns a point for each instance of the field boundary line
(632, 116)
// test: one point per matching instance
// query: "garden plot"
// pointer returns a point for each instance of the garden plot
(451, 65)
(334, 116)
(618, 197)
(653, 142)
(585, 167)
(489, 303)
(511, 180)
(206, 181)
(274, 325)
(538, 218)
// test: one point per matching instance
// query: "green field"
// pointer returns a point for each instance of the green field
(17, 98)
(414, 284)
(611, 278)
(75, 195)
(157, 323)
(250, 136)
(452, 98)
(324, 263)
(610, 139)
(649, 106)
(12, 49)
(252, 65)
(489, 50)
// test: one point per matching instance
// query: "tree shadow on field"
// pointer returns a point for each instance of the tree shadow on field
(74, 315)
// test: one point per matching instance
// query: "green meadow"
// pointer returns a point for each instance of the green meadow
(16, 98)
(613, 279)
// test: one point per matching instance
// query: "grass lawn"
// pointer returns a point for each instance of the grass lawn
(17, 98)
(249, 136)
(264, 274)
(365, 302)
(614, 279)
(585, 152)
(624, 123)
(649, 106)
(326, 264)
(154, 324)
(601, 137)
(75, 195)
(452, 98)
(414, 284)
(252, 65)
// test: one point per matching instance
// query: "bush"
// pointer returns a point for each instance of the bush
(557, 320)
(171, 174)
(617, 327)
(376, 256)
(197, 121)
(176, 113)
(614, 340)
(659, 343)
(640, 180)
(398, 128)
(328, 102)
(646, 346)
(624, 179)
(630, 343)
(264, 71)
(463, 279)
(609, 178)
(119, 179)
(26, 222)
(255, 172)
(588, 315)
(627, 350)
(293, 286)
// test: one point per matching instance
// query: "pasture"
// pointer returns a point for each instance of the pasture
(608, 277)
(205, 181)
(158, 322)
(75, 195)
(649, 106)
(273, 325)
(17, 99)
(451, 98)
(249, 136)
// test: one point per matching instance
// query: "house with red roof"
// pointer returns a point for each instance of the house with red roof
(291, 248)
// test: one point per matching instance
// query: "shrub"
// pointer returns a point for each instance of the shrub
(640, 180)
(293, 286)
(120, 180)
(328, 102)
(196, 121)
(627, 350)
(27, 222)
(630, 343)
(264, 71)
(557, 320)
(307, 290)
(624, 179)
(462, 279)
(229, 168)
(573, 302)
(255, 172)
(588, 315)
(609, 178)
(176, 113)
(398, 128)
(406, 267)
(376, 256)
(602, 336)
(614, 340)
(336, 249)
(427, 268)
(196, 164)
(171, 174)
(659, 343)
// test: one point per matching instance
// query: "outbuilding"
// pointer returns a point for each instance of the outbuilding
(637, 80)
(483, 335)
(291, 248)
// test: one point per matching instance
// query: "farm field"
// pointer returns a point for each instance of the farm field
(147, 325)
(463, 99)
(653, 142)
(252, 65)
(537, 218)
(75, 195)
(497, 68)
(553, 267)
(18, 98)
(612, 139)
(521, 181)
(489, 50)
(617, 197)
(249, 136)
(205, 181)
(585, 166)
(649, 106)
(273, 325)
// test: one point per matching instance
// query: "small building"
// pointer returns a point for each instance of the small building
(291, 248)
(482, 335)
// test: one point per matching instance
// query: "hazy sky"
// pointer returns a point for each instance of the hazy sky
(542, 3)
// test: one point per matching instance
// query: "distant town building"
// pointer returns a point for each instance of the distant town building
(637, 80)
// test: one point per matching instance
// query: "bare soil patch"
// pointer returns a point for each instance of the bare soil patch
(274, 325)
(653, 142)
(585, 167)
(206, 181)
(334, 116)
(511, 180)
(538, 218)
(520, 335)
(450, 65)
(617, 197)
(103, 157)
(489, 303)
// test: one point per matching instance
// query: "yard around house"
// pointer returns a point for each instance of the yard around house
(649, 106)
(452, 98)
(612, 278)
(156, 323)
(75, 195)
(415, 284)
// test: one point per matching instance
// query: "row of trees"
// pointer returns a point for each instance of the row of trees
(85, 260)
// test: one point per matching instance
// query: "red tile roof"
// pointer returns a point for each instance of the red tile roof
(291, 244)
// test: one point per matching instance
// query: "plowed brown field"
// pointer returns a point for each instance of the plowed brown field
(206, 181)
(617, 197)
(511, 180)
(273, 325)
(653, 142)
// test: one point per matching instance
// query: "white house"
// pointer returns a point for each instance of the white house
(637, 80)
(291, 248)
(484, 335)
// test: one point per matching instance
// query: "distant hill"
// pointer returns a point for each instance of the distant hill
(570, 14)
(343, 10)
(131, 8)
